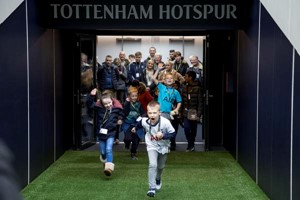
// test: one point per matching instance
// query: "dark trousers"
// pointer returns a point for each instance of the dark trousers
(175, 124)
(120, 95)
(190, 131)
(133, 139)
(117, 132)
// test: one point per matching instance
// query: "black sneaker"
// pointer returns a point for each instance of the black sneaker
(158, 184)
(151, 193)
(172, 148)
(134, 157)
(190, 149)
(127, 146)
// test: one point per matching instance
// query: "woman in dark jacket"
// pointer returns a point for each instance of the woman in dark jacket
(109, 112)
(191, 108)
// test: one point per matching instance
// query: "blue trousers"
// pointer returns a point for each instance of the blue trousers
(106, 148)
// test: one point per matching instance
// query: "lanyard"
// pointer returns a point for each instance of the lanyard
(105, 118)
(154, 126)
(177, 67)
(136, 109)
(137, 67)
(170, 94)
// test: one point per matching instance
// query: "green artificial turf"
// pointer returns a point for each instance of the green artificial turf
(195, 175)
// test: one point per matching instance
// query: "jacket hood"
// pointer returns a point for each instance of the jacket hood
(116, 104)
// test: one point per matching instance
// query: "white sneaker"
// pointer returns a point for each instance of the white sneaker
(101, 159)
(158, 184)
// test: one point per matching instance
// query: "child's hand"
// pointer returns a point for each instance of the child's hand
(94, 92)
(173, 112)
(160, 66)
(119, 122)
(159, 135)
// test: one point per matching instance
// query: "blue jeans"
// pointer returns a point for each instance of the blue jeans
(105, 147)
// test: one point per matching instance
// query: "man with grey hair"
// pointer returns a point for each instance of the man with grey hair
(124, 61)
(197, 67)
(158, 63)
(152, 52)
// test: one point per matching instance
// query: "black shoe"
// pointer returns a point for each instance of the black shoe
(133, 156)
(190, 149)
(151, 193)
(127, 146)
(158, 184)
(172, 148)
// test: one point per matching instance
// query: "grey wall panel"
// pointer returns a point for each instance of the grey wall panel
(13, 88)
(41, 61)
(41, 103)
(64, 110)
(266, 85)
(247, 78)
(274, 109)
(59, 93)
(296, 131)
(247, 92)
(282, 117)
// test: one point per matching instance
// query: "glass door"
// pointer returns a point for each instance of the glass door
(84, 82)
(205, 87)
(219, 104)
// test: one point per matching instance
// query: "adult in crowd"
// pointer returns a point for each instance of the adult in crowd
(171, 55)
(197, 67)
(107, 76)
(123, 60)
(180, 65)
(136, 68)
(191, 108)
(169, 70)
(146, 77)
(158, 63)
(152, 52)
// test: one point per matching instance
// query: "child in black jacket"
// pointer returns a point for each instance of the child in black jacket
(109, 114)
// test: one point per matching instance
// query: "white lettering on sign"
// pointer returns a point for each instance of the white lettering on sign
(197, 11)
(124, 12)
